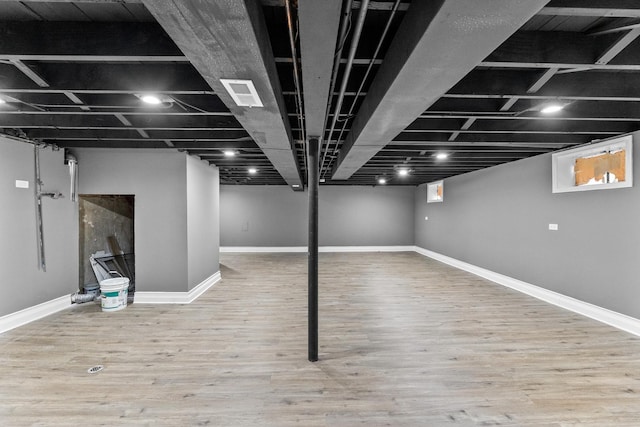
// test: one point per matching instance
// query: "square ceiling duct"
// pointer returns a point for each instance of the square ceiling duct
(243, 92)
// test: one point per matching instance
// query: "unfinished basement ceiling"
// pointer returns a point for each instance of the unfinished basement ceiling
(465, 78)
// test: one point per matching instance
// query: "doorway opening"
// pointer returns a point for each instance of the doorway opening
(106, 247)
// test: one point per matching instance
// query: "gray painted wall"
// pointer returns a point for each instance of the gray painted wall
(348, 216)
(157, 179)
(498, 219)
(176, 212)
(22, 284)
(203, 225)
(262, 216)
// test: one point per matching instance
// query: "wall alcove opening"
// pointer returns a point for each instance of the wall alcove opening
(106, 246)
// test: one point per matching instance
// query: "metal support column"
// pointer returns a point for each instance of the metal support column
(312, 182)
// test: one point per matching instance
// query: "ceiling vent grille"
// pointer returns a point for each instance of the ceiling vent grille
(243, 92)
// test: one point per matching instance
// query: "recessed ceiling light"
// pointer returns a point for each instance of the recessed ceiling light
(441, 156)
(551, 108)
(403, 172)
(382, 181)
(154, 99)
(229, 153)
(296, 185)
(151, 99)
(243, 92)
(253, 170)
(322, 180)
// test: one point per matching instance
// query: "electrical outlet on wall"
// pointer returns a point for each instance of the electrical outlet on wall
(245, 226)
(22, 184)
(553, 227)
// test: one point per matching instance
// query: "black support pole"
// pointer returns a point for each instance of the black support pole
(312, 182)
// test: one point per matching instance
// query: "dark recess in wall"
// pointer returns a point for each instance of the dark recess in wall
(100, 217)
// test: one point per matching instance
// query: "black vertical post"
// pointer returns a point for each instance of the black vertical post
(312, 182)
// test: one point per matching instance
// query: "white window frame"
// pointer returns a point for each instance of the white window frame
(562, 164)
(432, 192)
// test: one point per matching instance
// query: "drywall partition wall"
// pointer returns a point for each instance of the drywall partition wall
(158, 181)
(276, 216)
(252, 215)
(498, 219)
(203, 228)
(366, 216)
(22, 284)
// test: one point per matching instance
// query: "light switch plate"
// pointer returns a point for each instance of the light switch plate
(553, 227)
(22, 184)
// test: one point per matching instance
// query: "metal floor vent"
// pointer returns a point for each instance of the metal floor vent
(95, 369)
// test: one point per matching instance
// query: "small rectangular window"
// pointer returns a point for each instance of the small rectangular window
(604, 165)
(600, 168)
(435, 192)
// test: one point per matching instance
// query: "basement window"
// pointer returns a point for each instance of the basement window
(600, 166)
(435, 192)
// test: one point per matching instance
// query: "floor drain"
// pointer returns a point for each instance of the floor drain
(95, 369)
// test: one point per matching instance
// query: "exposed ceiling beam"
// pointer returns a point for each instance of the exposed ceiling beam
(319, 22)
(508, 83)
(542, 80)
(121, 77)
(591, 97)
(438, 144)
(41, 40)
(73, 1)
(457, 148)
(614, 27)
(563, 67)
(356, 61)
(560, 49)
(102, 91)
(122, 119)
(115, 119)
(593, 8)
(566, 129)
(204, 136)
(470, 138)
(579, 117)
(435, 32)
(115, 111)
(509, 103)
(467, 124)
(76, 100)
(229, 39)
(92, 58)
(374, 5)
(24, 68)
(617, 47)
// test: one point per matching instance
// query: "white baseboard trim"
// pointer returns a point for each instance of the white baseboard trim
(365, 249)
(27, 315)
(609, 317)
(260, 249)
(276, 249)
(142, 297)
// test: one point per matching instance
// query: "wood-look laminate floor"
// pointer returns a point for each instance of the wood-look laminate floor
(405, 341)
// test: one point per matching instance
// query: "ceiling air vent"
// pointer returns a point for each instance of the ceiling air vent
(243, 92)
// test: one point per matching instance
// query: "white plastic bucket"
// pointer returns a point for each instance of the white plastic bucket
(114, 293)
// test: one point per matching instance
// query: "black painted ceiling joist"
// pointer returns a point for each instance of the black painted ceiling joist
(438, 43)
(318, 36)
(228, 39)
